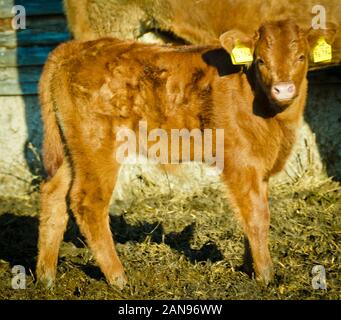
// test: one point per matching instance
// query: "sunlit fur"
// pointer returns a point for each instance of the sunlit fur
(282, 55)
(90, 89)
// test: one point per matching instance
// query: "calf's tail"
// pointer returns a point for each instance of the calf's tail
(53, 149)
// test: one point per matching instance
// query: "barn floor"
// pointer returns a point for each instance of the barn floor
(186, 247)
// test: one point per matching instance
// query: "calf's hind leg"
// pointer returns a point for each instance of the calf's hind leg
(53, 221)
(90, 198)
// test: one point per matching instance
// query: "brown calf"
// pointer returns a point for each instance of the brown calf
(89, 90)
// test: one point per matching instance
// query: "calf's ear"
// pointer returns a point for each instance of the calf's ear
(313, 35)
(230, 38)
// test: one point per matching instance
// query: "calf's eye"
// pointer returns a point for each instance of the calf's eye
(260, 61)
(301, 57)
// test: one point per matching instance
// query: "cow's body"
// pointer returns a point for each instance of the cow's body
(90, 90)
(199, 22)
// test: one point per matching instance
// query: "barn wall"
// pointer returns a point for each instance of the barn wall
(22, 55)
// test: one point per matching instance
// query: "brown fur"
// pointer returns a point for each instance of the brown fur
(89, 90)
(196, 21)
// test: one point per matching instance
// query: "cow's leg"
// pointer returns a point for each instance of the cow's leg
(53, 221)
(90, 198)
(249, 196)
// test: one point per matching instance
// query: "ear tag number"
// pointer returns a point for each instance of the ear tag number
(322, 51)
(241, 54)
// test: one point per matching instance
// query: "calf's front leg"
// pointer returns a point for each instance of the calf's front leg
(249, 195)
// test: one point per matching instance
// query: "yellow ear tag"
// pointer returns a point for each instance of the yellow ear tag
(241, 54)
(322, 51)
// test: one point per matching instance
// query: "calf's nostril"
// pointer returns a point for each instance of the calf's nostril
(291, 88)
(276, 90)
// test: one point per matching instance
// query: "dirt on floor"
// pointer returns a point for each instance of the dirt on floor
(186, 247)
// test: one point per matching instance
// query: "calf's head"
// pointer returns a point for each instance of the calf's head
(281, 56)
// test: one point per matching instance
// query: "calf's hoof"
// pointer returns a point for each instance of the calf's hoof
(46, 280)
(266, 276)
(118, 280)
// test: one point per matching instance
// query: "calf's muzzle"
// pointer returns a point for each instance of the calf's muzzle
(283, 91)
